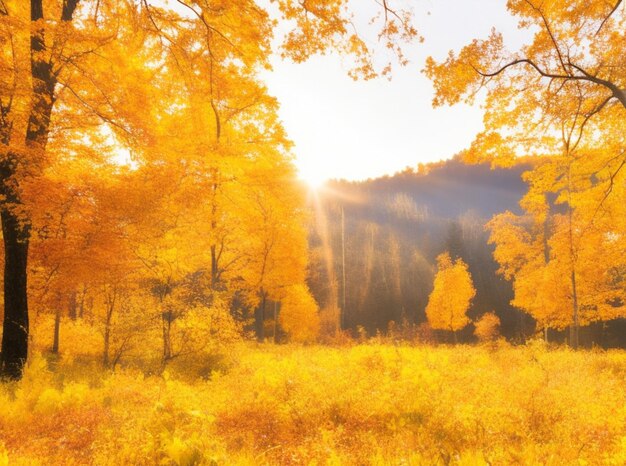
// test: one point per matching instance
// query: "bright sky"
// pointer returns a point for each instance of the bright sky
(356, 130)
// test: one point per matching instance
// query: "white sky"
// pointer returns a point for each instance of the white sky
(355, 130)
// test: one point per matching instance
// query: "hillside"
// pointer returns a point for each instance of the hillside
(395, 227)
(446, 189)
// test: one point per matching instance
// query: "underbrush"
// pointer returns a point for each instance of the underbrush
(365, 404)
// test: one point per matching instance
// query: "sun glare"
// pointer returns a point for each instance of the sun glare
(314, 180)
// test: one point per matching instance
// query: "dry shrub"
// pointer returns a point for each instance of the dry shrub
(487, 328)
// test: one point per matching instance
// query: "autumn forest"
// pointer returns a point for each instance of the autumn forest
(174, 292)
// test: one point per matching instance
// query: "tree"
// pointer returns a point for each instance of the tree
(299, 315)
(81, 63)
(454, 240)
(24, 148)
(43, 96)
(522, 250)
(563, 255)
(275, 235)
(452, 294)
(560, 96)
(487, 327)
(577, 48)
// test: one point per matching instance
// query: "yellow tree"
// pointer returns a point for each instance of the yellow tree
(276, 243)
(46, 88)
(67, 247)
(561, 95)
(299, 314)
(487, 327)
(577, 48)
(452, 295)
(65, 61)
(556, 282)
(564, 257)
(24, 129)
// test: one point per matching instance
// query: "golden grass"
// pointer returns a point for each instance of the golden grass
(366, 404)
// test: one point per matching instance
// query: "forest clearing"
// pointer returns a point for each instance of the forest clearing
(373, 403)
(321, 232)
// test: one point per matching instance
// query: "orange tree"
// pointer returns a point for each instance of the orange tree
(560, 96)
(86, 63)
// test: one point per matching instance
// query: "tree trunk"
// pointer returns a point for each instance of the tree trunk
(15, 225)
(166, 327)
(110, 307)
(72, 305)
(275, 322)
(342, 314)
(89, 308)
(259, 318)
(57, 331)
(214, 266)
(81, 303)
(105, 350)
(573, 335)
(215, 256)
(15, 327)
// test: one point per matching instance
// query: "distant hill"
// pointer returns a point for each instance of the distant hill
(447, 189)
(395, 226)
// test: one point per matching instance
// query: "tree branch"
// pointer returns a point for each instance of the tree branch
(619, 2)
(549, 30)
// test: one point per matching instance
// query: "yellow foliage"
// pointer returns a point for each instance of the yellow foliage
(487, 327)
(299, 315)
(558, 98)
(365, 404)
(452, 294)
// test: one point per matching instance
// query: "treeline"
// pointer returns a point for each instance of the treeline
(147, 189)
(395, 227)
(559, 97)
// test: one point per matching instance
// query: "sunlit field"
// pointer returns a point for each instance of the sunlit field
(374, 403)
(312, 232)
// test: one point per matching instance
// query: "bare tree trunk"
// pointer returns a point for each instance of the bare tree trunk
(573, 335)
(72, 305)
(57, 331)
(110, 303)
(259, 318)
(15, 325)
(166, 327)
(275, 322)
(342, 315)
